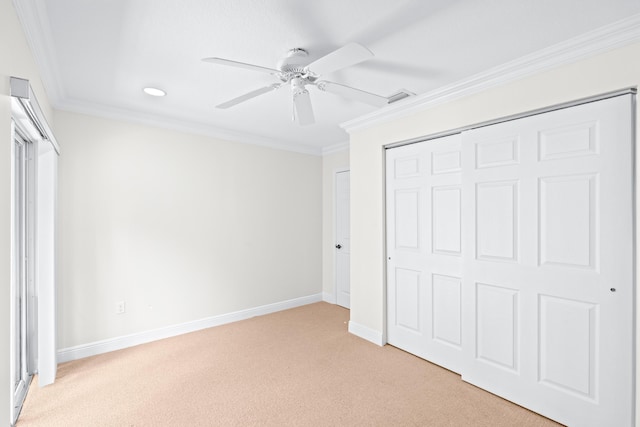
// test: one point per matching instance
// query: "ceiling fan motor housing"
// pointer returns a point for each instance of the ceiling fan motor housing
(293, 65)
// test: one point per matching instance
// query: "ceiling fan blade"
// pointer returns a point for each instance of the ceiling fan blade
(248, 96)
(237, 64)
(353, 93)
(349, 54)
(303, 108)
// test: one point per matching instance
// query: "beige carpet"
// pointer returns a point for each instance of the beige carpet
(298, 367)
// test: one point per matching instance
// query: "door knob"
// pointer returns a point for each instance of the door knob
(338, 246)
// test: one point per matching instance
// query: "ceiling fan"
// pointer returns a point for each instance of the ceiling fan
(294, 71)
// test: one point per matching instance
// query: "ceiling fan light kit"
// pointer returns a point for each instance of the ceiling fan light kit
(293, 70)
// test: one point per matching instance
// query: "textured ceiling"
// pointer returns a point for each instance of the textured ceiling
(96, 56)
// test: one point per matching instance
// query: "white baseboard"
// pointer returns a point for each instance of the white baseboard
(328, 297)
(366, 333)
(118, 343)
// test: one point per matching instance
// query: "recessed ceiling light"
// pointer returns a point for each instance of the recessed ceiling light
(154, 91)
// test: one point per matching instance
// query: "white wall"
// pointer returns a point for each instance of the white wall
(181, 227)
(15, 60)
(331, 163)
(599, 74)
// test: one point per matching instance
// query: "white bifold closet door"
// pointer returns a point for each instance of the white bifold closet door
(511, 258)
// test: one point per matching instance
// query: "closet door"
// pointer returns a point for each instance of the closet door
(424, 288)
(548, 266)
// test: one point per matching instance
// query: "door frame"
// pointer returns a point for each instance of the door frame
(27, 323)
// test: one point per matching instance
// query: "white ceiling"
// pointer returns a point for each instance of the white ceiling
(96, 56)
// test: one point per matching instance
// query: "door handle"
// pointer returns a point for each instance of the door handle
(338, 246)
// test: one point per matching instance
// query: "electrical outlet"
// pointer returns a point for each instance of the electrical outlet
(120, 307)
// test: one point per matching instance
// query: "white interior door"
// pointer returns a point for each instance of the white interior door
(548, 214)
(513, 245)
(424, 250)
(343, 241)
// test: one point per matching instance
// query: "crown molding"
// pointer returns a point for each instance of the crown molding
(609, 37)
(335, 148)
(31, 14)
(131, 116)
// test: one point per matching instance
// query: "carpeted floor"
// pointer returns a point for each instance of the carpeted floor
(298, 367)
